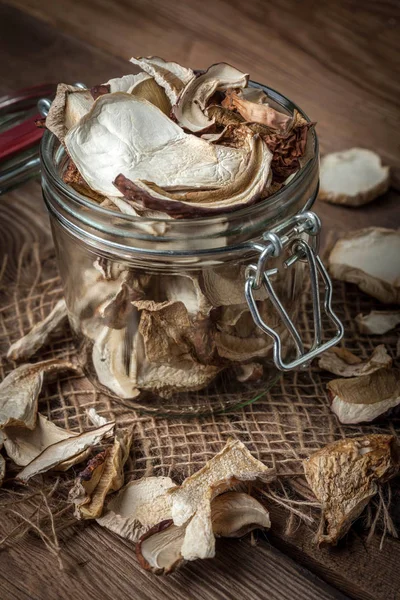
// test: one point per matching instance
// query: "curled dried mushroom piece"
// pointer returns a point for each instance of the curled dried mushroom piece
(346, 364)
(370, 259)
(378, 322)
(345, 475)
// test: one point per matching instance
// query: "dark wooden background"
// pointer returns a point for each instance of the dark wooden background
(340, 62)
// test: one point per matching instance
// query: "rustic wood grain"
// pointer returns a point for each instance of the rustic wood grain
(335, 59)
(336, 89)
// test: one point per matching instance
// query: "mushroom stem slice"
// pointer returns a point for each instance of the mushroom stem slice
(345, 364)
(363, 399)
(190, 108)
(378, 322)
(370, 259)
(39, 336)
(171, 76)
(345, 475)
(353, 177)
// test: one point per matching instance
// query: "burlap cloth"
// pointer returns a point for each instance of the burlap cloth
(286, 425)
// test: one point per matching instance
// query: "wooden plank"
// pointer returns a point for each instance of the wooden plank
(339, 68)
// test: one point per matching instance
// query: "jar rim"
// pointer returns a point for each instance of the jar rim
(279, 199)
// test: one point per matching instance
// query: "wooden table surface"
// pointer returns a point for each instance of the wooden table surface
(340, 62)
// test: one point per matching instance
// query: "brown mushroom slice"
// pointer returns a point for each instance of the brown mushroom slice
(93, 485)
(159, 550)
(70, 104)
(234, 514)
(370, 259)
(256, 112)
(345, 475)
(225, 286)
(19, 392)
(344, 363)
(191, 501)
(23, 445)
(40, 334)
(138, 507)
(64, 450)
(189, 110)
(171, 76)
(123, 134)
(378, 322)
(353, 177)
(244, 190)
(363, 399)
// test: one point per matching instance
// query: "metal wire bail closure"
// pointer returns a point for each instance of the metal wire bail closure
(288, 234)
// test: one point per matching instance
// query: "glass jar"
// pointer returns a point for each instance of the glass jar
(186, 316)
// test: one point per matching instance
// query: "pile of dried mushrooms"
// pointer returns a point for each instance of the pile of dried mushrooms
(172, 144)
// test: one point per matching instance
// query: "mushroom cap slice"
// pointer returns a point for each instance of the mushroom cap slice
(370, 259)
(352, 177)
(234, 514)
(124, 134)
(378, 322)
(68, 107)
(345, 364)
(171, 76)
(189, 111)
(363, 399)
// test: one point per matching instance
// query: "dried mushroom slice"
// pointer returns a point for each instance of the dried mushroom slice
(345, 475)
(19, 392)
(243, 189)
(378, 322)
(171, 76)
(62, 451)
(92, 486)
(344, 363)
(370, 259)
(353, 177)
(139, 506)
(189, 110)
(191, 501)
(125, 135)
(70, 104)
(39, 336)
(363, 399)
(256, 112)
(148, 89)
(249, 372)
(23, 445)
(159, 550)
(234, 514)
(2, 469)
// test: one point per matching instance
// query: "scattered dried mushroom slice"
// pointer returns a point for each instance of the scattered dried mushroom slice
(159, 150)
(104, 476)
(159, 550)
(344, 363)
(189, 110)
(138, 507)
(19, 392)
(62, 451)
(191, 501)
(345, 475)
(370, 259)
(234, 514)
(171, 76)
(352, 177)
(39, 336)
(363, 399)
(378, 322)
(67, 109)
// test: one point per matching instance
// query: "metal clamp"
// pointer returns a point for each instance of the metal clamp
(284, 235)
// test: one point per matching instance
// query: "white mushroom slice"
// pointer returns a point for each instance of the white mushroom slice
(369, 258)
(256, 112)
(20, 390)
(234, 514)
(125, 135)
(67, 109)
(189, 111)
(148, 89)
(94, 417)
(138, 507)
(171, 76)
(244, 189)
(344, 363)
(352, 177)
(378, 322)
(40, 335)
(23, 445)
(345, 475)
(102, 478)
(159, 550)
(126, 83)
(63, 450)
(191, 502)
(363, 399)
